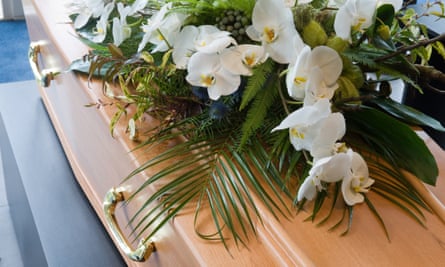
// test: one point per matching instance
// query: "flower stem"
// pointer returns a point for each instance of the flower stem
(164, 39)
(403, 49)
(283, 99)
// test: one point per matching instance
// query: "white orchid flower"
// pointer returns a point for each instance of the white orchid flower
(87, 9)
(336, 3)
(163, 30)
(276, 33)
(317, 87)
(297, 75)
(166, 34)
(102, 24)
(330, 130)
(205, 70)
(212, 40)
(290, 3)
(309, 188)
(314, 73)
(121, 30)
(137, 6)
(332, 169)
(206, 39)
(184, 46)
(354, 15)
(354, 185)
(329, 169)
(242, 58)
(314, 128)
(302, 2)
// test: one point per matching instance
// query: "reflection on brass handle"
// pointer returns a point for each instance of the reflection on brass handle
(144, 250)
(43, 77)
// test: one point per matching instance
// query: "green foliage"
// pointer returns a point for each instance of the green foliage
(258, 110)
(371, 58)
(407, 114)
(208, 173)
(394, 141)
(313, 34)
(257, 82)
(319, 3)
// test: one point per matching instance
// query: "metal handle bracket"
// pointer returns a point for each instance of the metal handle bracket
(144, 249)
(43, 77)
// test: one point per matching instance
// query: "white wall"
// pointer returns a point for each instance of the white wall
(11, 9)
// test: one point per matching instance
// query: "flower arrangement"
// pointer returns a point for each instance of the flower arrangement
(281, 99)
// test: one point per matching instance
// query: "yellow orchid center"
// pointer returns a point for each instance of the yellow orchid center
(99, 30)
(202, 43)
(299, 80)
(359, 24)
(269, 34)
(341, 148)
(356, 184)
(296, 133)
(249, 60)
(207, 80)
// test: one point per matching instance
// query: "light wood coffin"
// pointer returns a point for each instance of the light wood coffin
(100, 162)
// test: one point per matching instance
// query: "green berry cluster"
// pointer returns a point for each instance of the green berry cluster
(235, 22)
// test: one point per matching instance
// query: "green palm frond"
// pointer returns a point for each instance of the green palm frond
(212, 173)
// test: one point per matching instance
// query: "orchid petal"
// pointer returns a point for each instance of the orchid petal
(329, 62)
(332, 169)
(358, 182)
(332, 129)
(296, 77)
(184, 46)
(241, 59)
(307, 190)
(306, 115)
(226, 83)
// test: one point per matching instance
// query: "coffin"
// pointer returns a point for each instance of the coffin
(100, 162)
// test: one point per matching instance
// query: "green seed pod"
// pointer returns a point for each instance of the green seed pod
(346, 89)
(314, 35)
(337, 43)
(302, 16)
(384, 32)
(353, 73)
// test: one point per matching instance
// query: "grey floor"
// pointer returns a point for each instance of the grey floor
(9, 251)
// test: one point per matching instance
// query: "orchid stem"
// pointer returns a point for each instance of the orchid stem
(403, 49)
(283, 99)
(164, 39)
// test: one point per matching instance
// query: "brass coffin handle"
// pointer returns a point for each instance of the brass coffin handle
(144, 250)
(45, 76)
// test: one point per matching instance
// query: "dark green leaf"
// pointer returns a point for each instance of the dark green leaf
(395, 141)
(385, 14)
(80, 65)
(408, 114)
(84, 66)
(377, 215)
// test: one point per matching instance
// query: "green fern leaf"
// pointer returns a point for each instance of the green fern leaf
(256, 82)
(259, 109)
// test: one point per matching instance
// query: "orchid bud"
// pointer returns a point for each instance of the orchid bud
(346, 89)
(337, 43)
(384, 32)
(314, 35)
